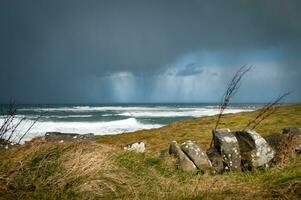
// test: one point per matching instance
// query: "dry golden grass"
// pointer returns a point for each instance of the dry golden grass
(41, 170)
(285, 150)
(87, 170)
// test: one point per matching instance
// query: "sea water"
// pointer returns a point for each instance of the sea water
(102, 119)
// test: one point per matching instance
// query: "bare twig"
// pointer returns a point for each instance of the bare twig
(266, 111)
(10, 132)
(231, 91)
(29, 128)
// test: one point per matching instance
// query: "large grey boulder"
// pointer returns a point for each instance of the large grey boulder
(254, 150)
(197, 155)
(185, 163)
(62, 137)
(227, 146)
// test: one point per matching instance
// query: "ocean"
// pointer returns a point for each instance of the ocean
(102, 119)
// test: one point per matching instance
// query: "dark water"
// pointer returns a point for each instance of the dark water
(115, 118)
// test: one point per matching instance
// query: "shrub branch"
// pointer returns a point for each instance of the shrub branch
(266, 111)
(232, 89)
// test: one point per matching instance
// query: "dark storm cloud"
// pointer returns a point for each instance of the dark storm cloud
(91, 51)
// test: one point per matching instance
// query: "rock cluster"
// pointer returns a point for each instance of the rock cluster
(63, 137)
(231, 151)
(184, 162)
(234, 151)
(191, 156)
(197, 155)
(241, 150)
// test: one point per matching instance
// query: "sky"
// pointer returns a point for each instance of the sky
(110, 51)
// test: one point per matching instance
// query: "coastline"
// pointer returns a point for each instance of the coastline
(103, 170)
(103, 119)
(200, 128)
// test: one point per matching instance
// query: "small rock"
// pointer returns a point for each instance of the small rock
(227, 146)
(185, 163)
(4, 144)
(298, 149)
(197, 155)
(294, 130)
(216, 161)
(137, 146)
(163, 153)
(294, 135)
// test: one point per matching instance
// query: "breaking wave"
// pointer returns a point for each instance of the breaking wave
(98, 128)
(189, 113)
(110, 119)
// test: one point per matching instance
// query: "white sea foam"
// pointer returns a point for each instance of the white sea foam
(188, 113)
(132, 113)
(129, 109)
(67, 116)
(100, 128)
(49, 116)
(93, 108)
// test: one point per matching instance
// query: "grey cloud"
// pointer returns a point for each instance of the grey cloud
(189, 70)
(64, 51)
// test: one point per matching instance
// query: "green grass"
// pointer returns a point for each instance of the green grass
(199, 129)
(103, 170)
(159, 179)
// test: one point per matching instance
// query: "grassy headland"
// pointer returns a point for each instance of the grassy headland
(200, 129)
(102, 170)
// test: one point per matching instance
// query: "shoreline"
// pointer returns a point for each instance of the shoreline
(114, 120)
(103, 169)
(200, 128)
